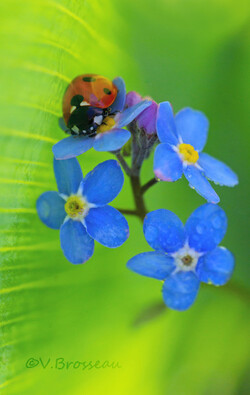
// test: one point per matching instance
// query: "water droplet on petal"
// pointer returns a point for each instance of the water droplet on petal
(199, 229)
(45, 207)
(216, 222)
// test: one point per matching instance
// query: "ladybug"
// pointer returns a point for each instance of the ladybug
(87, 102)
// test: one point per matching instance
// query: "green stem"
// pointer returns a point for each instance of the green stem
(148, 185)
(242, 292)
(138, 197)
(127, 211)
(123, 163)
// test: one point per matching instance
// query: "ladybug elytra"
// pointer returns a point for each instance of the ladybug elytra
(87, 102)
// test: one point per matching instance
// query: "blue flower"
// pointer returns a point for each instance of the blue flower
(111, 135)
(80, 208)
(185, 256)
(183, 138)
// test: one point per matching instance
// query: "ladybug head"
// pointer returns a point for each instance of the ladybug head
(85, 120)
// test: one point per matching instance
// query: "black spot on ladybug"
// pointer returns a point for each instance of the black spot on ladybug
(89, 79)
(107, 91)
(76, 100)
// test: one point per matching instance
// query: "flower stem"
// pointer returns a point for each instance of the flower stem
(138, 197)
(141, 145)
(242, 292)
(148, 185)
(150, 313)
(128, 211)
(123, 163)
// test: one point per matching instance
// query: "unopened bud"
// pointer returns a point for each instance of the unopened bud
(147, 119)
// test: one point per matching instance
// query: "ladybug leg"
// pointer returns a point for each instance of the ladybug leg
(106, 112)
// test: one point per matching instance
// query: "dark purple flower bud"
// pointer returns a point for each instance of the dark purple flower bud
(147, 119)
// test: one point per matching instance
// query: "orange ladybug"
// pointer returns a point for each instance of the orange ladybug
(87, 102)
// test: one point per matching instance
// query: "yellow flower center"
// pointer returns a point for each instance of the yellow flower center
(107, 124)
(75, 207)
(188, 153)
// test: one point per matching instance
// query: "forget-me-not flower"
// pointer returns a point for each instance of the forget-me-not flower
(183, 138)
(185, 256)
(79, 208)
(110, 136)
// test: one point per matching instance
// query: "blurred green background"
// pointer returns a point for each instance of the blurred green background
(193, 53)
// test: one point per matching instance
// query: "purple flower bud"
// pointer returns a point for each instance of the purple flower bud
(147, 119)
(132, 98)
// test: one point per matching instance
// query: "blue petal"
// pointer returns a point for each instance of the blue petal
(152, 264)
(164, 231)
(165, 125)
(72, 146)
(76, 244)
(192, 126)
(131, 113)
(119, 102)
(107, 226)
(63, 125)
(206, 227)
(217, 171)
(167, 164)
(199, 182)
(180, 290)
(50, 209)
(112, 140)
(68, 175)
(103, 183)
(216, 267)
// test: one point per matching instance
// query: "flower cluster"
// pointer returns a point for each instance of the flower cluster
(98, 113)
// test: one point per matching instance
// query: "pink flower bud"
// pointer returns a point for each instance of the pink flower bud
(147, 119)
